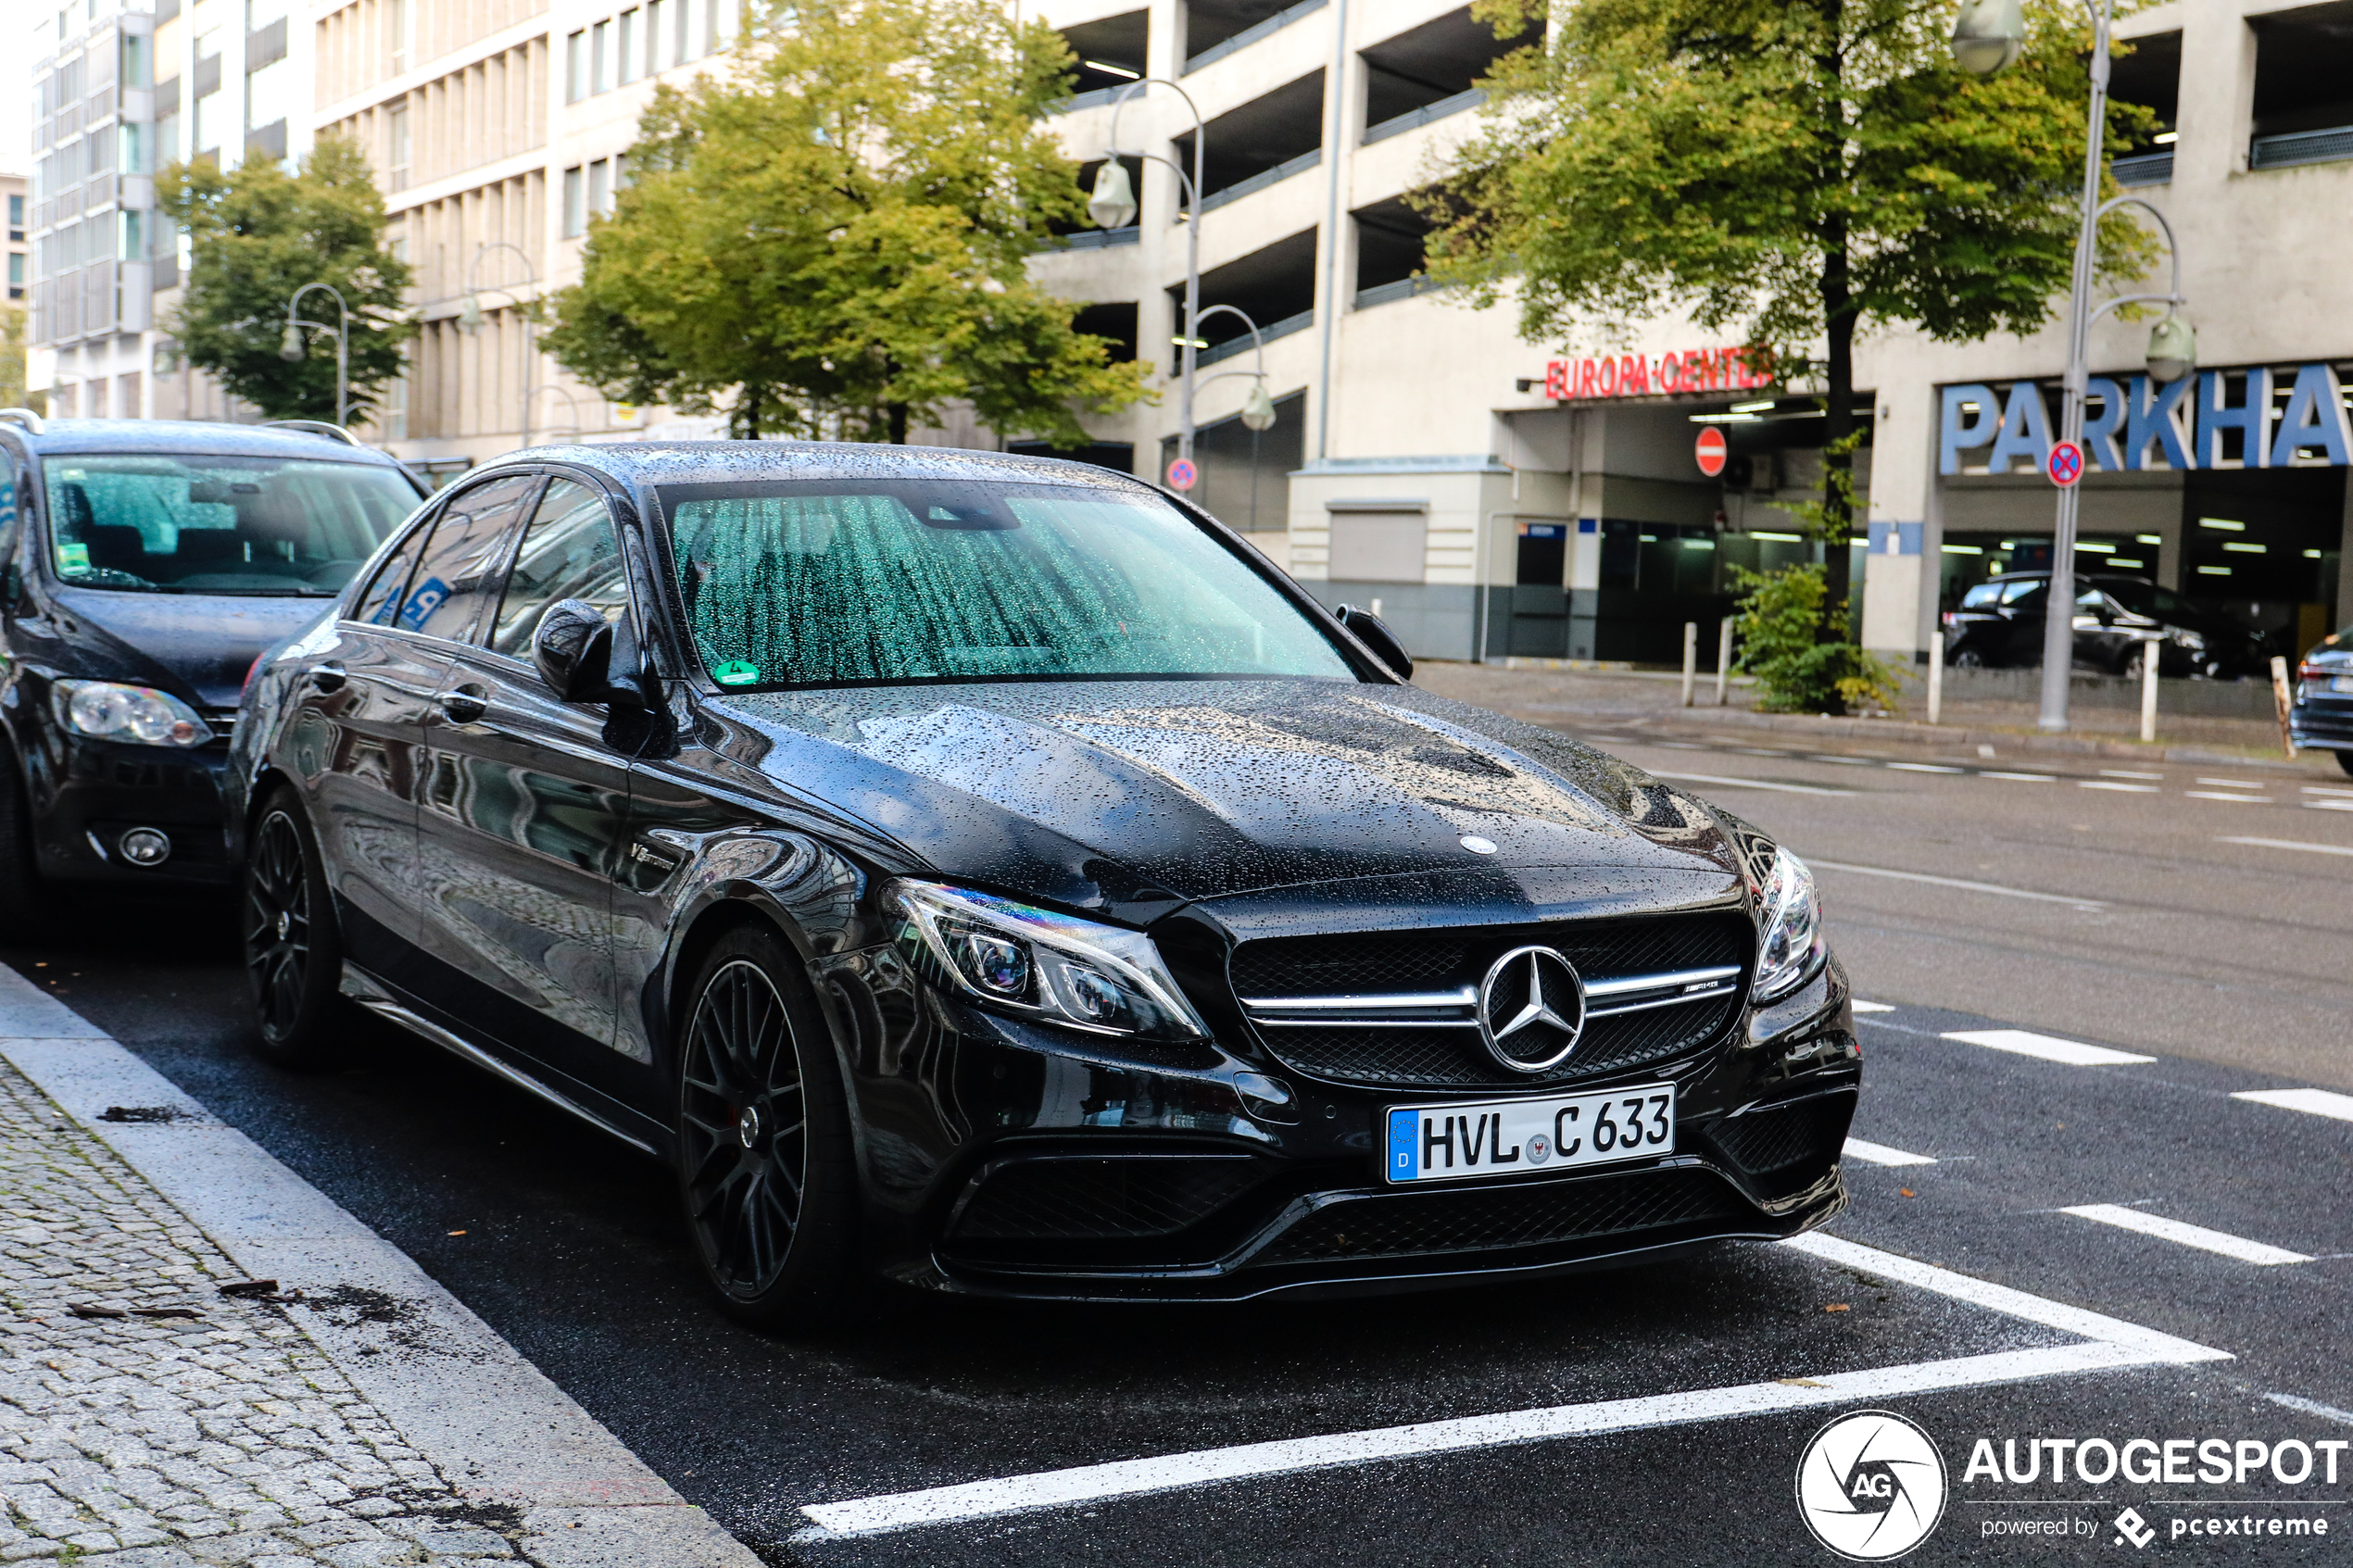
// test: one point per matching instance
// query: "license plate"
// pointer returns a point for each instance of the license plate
(2341, 683)
(1514, 1137)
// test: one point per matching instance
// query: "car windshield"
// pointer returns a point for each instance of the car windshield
(239, 526)
(2144, 599)
(841, 583)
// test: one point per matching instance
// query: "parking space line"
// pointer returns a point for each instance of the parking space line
(1879, 1154)
(2184, 1235)
(2312, 1407)
(1749, 784)
(2021, 778)
(2127, 773)
(2236, 783)
(2111, 783)
(2104, 1344)
(2312, 1102)
(2218, 794)
(2022, 1042)
(1959, 883)
(1861, 1006)
(2285, 844)
(1924, 768)
(2330, 805)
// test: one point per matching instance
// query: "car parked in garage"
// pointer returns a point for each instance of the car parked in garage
(2321, 719)
(1999, 624)
(144, 567)
(991, 875)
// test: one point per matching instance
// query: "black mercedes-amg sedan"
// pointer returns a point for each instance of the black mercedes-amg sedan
(990, 874)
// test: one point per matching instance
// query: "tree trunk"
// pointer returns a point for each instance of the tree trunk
(747, 413)
(1838, 461)
(899, 424)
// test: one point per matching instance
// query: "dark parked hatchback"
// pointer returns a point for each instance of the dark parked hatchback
(990, 873)
(147, 564)
(2321, 719)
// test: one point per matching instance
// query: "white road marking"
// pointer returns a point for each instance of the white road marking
(2218, 794)
(2075, 1053)
(2104, 1344)
(1845, 761)
(1925, 768)
(1957, 881)
(1748, 783)
(2315, 1102)
(2236, 784)
(2312, 1407)
(2330, 805)
(1879, 1154)
(2290, 844)
(1861, 1006)
(2126, 773)
(2021, 778)
(2110, 784)
(2325, 789)
(2182, 1234)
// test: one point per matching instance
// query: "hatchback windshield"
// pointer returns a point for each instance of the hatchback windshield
(239, 526)
(841, 583)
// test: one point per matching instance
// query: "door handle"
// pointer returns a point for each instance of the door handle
(464, 705)
(328, 677)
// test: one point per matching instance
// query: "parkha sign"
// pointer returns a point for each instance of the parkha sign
(2137, 423)
(1637, 375)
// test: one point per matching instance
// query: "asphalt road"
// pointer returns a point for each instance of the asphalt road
(2149, 933)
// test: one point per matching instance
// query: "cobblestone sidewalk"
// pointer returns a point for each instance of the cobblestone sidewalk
(222, 1437)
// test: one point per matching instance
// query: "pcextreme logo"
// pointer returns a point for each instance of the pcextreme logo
(1870, 1486)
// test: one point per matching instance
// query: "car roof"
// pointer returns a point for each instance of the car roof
(92, 437)
(645, 464)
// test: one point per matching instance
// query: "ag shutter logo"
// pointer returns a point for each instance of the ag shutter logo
(1870, 1486)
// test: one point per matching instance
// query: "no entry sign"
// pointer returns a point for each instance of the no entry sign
(1710, 451)
(1182, 475)
(2066, 464)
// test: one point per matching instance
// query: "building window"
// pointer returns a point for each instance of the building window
(681, 51)
(576, 68)
(396, 147)
(168, 139)
(134, 236)
(126, 396)
(625, 49)
(575, 203)
(600, 187)
(16, 274)
(599, 56)
(135, 60)
(654, 14)
(133, 148)
(399, 22)
(16, 220)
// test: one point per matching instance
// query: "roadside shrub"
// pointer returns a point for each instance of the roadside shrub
(1779, 615)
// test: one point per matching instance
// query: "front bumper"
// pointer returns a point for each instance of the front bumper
(85, 795)
(2322, 725)
(1064, 1172)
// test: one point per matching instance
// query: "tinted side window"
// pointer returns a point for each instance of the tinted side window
(2025, 591)
(1985, 595)
(569, 553)
(459, 570)
(382, 599)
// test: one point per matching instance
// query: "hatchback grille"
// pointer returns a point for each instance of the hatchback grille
(1408, 1014)
(1470, 1219)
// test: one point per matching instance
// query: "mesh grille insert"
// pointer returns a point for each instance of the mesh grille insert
(1409, 1224)
(1102, 1199)
(1808, 1133)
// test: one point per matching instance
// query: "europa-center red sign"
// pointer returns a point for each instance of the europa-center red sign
(1639, 375)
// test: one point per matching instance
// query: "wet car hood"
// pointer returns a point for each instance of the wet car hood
(202, 643)
(1137, 793)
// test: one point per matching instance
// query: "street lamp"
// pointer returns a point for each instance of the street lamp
(1987, 37)
(571, 403)
(1258, 408)
(292, 346)
(1112, 205)
(469, 316)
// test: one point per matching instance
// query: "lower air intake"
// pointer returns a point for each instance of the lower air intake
(1470, 1219)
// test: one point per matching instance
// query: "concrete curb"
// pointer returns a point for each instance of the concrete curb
(487, 1418)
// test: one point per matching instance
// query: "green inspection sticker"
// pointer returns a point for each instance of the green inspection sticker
(736, 672)
(73, 557)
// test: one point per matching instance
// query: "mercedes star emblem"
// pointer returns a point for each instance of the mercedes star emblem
(1531, 1008)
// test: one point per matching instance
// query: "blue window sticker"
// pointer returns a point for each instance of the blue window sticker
(429, 596)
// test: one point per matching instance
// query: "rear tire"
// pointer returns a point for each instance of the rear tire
(2345, 760)
(292, 952)
(766, 1176)
(1968, 659)
(26, 901)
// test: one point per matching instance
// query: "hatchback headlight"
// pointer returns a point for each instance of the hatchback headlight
(1791, 924)
(140, 715)
(2185, 638)
(1034, 961)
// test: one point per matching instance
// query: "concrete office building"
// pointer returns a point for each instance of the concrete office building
(1516, 498)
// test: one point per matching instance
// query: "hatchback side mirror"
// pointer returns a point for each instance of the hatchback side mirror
(1379, 640)
(575, 649)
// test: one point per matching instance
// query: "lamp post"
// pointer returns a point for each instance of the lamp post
(469, 316)
(1112, 205)
(1258, 408)
(1987, 37)
(292, 346)
(571, 403)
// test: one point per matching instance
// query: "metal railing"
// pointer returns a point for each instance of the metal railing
(1262, 178)
(2144, 168)
(1416, 119)
(1251, 35)
(1403, 288)
(2290, 148)
(1241, 344)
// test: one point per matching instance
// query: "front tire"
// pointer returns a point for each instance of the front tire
(293, 954)
(765, 1173)
(1968, 659)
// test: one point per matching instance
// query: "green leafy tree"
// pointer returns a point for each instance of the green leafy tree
(1781, 614)
(1794, 171)
(831, 237)
(14, 393)
(257, 234)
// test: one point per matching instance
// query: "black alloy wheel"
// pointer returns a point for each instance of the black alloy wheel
(764, 1168)
(1968, 659)
(25, 899)
(294, 955)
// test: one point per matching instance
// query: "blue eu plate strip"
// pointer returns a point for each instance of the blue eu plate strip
(1403, 1125)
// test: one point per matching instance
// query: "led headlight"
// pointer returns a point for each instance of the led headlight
(140, 715)
(1033, 961)
(1791, 922)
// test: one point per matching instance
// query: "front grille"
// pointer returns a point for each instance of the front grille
(1102, 1200)
(1405, 963)
(1793, 1137)
(1491, 1218)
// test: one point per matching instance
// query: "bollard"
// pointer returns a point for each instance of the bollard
(2150, 658)
(2281, 702)
(1936, 682)
(1691, 659)
(1724, 661)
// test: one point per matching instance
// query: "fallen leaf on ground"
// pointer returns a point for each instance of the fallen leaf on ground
(1838, 1307)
